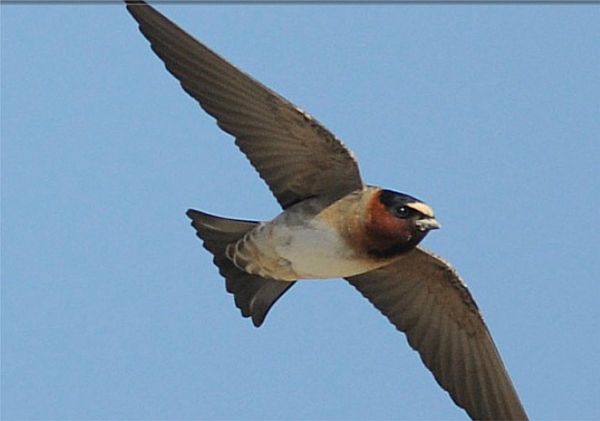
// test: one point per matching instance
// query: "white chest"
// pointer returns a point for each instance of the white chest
(311, 250)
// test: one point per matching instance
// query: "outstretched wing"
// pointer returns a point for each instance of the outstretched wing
(296, 156)
(425, 298)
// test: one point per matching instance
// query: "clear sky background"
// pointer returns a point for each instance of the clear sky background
(111, 309)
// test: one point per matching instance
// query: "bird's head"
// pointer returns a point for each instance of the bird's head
(396, 223)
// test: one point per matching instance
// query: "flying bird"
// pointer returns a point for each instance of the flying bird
(332, 225)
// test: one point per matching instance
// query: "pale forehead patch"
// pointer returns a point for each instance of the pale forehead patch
(421, 207)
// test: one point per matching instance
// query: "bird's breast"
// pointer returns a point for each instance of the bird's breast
(318, 250)
(299, 245)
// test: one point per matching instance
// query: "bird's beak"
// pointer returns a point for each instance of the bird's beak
(427, 224)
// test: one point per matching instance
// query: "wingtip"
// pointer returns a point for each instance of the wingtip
(191, 213)
(257, 321)
(135, 3)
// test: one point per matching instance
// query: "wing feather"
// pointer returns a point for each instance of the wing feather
(296, 156)
(425, 298)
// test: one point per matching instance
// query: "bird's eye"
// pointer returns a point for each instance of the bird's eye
(402, 212)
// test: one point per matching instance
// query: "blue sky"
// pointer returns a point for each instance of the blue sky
(111, 309)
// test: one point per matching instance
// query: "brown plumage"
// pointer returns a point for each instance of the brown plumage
(333, 225)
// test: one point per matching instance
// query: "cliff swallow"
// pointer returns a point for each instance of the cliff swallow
(332, 225)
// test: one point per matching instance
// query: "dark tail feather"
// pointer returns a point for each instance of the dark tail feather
(253, 295)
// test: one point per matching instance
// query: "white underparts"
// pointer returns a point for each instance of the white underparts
(289, 248)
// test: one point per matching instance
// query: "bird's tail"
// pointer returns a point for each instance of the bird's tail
(253, 295)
